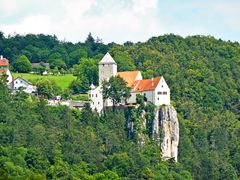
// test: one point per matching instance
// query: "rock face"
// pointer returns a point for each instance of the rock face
(166, 128)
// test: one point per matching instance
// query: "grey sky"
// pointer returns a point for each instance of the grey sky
(121, 20)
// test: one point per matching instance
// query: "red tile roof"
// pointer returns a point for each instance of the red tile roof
(146, 84)
(129, 77)
(4, 62)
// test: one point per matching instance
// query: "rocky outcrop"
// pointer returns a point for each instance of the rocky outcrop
(166, 130)
(163, 126)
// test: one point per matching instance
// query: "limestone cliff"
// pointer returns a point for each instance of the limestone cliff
(160, 124)
(166, 130)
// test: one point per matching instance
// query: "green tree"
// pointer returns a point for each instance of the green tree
(87, 72)
(116, 89)
(76, 86)
(22, 64)
(47, 88)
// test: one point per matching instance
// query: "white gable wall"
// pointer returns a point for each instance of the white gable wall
(139, 76)
(20, 83)
(162, 93)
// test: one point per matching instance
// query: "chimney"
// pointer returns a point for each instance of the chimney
(152, 81)
(1, 57)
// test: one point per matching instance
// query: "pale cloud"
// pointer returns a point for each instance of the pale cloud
(32, 24)
(120, 20)
(143, 6)
(7, 7)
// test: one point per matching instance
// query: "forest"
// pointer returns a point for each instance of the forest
(42, 142)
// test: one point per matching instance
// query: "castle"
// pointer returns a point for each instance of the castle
(154, 90)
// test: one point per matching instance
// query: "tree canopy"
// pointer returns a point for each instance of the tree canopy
(203, 74)
(115, 89)
(22, 64)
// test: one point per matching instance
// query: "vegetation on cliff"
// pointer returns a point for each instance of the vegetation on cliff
(203, 74)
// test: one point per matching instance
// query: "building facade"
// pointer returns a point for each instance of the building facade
(154, 90)
(24, 84)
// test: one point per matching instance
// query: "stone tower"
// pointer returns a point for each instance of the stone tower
(107, 68)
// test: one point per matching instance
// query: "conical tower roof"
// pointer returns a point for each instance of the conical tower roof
(107, 59)
(92, 86)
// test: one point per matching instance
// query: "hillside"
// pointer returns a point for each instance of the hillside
(203, 74)
(63, 81)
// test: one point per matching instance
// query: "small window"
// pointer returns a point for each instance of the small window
(92, 95)
(96, 95)
(98, 102)
(162, 86)
(164, 92)
(16, 82)
(144, 94)
(158, 98)
(89, 95)
(159, 92)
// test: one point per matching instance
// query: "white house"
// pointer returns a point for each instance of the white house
(24, 84)
(154, 90)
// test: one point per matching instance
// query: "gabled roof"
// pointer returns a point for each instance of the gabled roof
(4, 62)
(107, 59)
(146, 84)
(38, 64)
(23, 80)
(129, 77)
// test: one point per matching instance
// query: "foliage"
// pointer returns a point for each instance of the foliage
(22, 64)
(203, 74)
(87, 71)
(115, 89)
(47, 88)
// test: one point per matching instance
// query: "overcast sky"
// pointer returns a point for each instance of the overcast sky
(121, 20)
